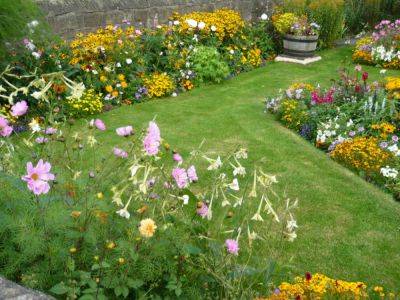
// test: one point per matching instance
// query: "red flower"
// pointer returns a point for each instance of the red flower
(308, 276)
(365, 76)
(357, 88)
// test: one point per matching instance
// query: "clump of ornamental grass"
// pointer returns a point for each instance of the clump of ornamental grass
(79, 217)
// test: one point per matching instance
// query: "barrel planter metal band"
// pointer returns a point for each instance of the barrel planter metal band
(300, 46)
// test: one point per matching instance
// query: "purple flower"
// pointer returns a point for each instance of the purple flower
(5, 129)
(232, 246)
(38, 177)
(191, 172)
(360, 129)
(124, 131)
(202, 211)
(177, 157)
(152, 140)
(19, 109)
(383, 145)
(50, 131)
(352, 133)
(120, 153)
(181, 177)
(395, 138)
(151, 182)
(41, 140)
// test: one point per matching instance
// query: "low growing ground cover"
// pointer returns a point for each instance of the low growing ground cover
(348, 229)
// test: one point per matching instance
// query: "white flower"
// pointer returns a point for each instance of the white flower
(201, 25)
(124, 213)
(37, 95)
(34, 126)
(215, 163)
(185, 199)
(128, 61)
(192, 23)
(350, 123)
(176, 22)
(383, 71)
(91, 140)
(232, 51)
(118, 65)
(257, 217)
(389, 172)
(33, 24)
(238, 170)
(36, 55)
(291, 236)
(213, 28)
(242, 153)
(174, 94)
(234, 185)
(117, 195)
(95, 72)
(77, 91)
(291, 224)
(264, 17)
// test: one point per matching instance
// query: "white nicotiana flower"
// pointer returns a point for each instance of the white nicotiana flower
(214, 163)
(264, 17)
(242, 153)
(77, 91)
(91, 140)
(118, 65)
(234, 185)
(238, 170)
(213, 28)
(257, 215)
(291, 236)
(192, 23)
(34, 126)
(128, 61)
(291, 224)
(185, 199)
(201, 25)
(117, 196)
(124, 213)
(389, 172)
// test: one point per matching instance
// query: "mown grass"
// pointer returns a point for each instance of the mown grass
(348, 228)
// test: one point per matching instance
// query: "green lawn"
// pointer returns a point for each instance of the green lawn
(348, 228)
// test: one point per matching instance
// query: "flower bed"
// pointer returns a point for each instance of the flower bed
(123, 64)
(355, 121)
(382, 48)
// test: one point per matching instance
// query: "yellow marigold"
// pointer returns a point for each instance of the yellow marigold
(103, 78)
(393, 87)
(109, 89)
(121, 77)
(124, 85)
(361, 154)
(158, 84)
(147, 228)
(301, 85)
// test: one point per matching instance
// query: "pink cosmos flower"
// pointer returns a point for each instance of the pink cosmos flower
(181, 177)
(203, 210)
(152, 140)
(120, 153)
(41, 140)
(38, 177)
(19, 109)
(5, 129)
(124, 131)
(99, 124)
(50, 131)
(177, 157)
(192, 174)
(358, 68)
(232, 246)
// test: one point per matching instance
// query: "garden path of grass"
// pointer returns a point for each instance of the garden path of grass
(348, 229)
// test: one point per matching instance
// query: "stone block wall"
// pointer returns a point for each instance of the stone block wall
(68, 17)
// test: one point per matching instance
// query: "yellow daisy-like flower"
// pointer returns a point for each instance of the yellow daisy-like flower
(109, 88)
(147, 228)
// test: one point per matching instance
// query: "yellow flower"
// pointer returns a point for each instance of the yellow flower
(109, 88)
(100, 195)
(121, 77)
(121, 260)
(147, 228)
(124, 85)
(103, 78)
(75, 214)
(111, 245)
(115, 93)
(72, 250)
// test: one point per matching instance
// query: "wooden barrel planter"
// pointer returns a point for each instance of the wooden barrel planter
(300, 46)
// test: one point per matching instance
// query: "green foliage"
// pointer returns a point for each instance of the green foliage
(208, 65)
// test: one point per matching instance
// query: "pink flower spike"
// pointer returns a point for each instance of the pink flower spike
(232, 246)
(38, 177)
(181, 177)
(19, 109)
(50, 131)
(99, 124)
(124, 131)
(5, 129)
(120, 153)
(152, 140)
(177, 157)
(192, 174)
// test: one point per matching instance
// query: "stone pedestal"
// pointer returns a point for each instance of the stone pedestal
(12, 291)
(297, 60)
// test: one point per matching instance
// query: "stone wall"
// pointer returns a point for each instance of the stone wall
(68, 17)
(11, 291)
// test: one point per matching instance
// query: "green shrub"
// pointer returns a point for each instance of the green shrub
(208, 65)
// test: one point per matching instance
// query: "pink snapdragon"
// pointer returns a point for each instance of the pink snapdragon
(38, 177)
(152, 140)
(5, 128)
(316, 98)
(19, 109)
(50, 131)
(120, 153)
(192, 174)
(232, 246)
(41, 140)
(177, 157)
(124, 131)
(181, 177)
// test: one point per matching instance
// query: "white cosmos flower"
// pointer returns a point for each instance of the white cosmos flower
(201, 25)
(389, 172)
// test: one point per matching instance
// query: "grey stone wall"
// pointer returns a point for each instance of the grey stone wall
(11, 291)
(68, 17)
